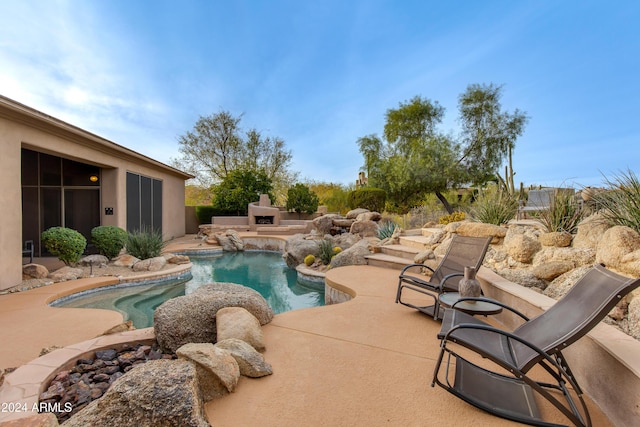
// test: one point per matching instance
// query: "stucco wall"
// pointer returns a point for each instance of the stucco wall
(22, 127)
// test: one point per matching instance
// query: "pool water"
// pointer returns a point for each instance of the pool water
(266, 272)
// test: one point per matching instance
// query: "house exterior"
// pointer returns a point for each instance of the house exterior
(56, 174)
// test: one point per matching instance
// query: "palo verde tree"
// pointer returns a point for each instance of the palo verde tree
(217, 146)
(416, 158)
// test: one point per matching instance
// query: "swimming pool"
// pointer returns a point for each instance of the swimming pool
(266, 272)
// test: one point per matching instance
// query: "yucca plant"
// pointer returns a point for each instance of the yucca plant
(563, 214)
(495, 207)
(145, 243)
(620, 203)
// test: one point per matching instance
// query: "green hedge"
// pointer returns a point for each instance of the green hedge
(205, 212)
(368, 198)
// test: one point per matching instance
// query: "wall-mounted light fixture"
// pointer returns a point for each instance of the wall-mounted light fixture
(93, 178)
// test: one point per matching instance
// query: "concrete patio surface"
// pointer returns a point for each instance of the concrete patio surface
(365, 362)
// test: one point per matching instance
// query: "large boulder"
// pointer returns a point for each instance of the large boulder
(298, 247)
(616, 250)
(551, 270)
(230, 241)
(66, 273)
(560, 239)
(324, 223)
(218, 372)
(150, 264)
(523, 277)
(365, 228)
(481, 229)
(250, 361)
(634, 317)
(236, 322)
(34, 271)
(369, 216)
(157, 393)
(192, 318)
(590, 232)
(125, 260)
(522, 247)
(353, 214)
(345, 240)
(355, 255)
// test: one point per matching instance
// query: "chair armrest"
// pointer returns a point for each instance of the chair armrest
(440, 285)
(509, 335)
(413, 266)
(492, 301)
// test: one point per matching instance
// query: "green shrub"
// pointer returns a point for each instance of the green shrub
(301, 199)
(109, 240)
(386, 229)
(368, 198)
(145, 243)
(65, 243)
(563, 214)
(497, 207)
(620, 203)
(326, 251)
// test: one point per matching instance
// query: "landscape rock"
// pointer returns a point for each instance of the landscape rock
(578, 257)
(364, 228)
(218, 372)
(560, 239)
(34, 271)
(345, 240)
(343, 222)
(355, 255)
(324, 223)
(151, 264)
(551, 270)
(66, 273)
(124, 260)
(250, 361)
(617, 242)
(192, 318)
(96, 260)
(422, 257)
(236, 322)
(176, 259)
(297, 248)
(561, 285)
(590, 232)
(156, 393)
(43, 419)
(522, 248)
(480, 229)
(369, 216)
(634, 318)
(523, 277)
(353, 214)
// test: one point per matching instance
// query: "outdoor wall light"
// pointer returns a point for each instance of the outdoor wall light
(93, 178)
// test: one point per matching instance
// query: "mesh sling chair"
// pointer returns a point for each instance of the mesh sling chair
(463, 251)
(509, 392)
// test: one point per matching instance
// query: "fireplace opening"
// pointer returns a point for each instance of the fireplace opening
(264, 219)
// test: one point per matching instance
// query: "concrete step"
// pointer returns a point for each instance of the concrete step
(386, 261)
(400, 251)
(416, 242)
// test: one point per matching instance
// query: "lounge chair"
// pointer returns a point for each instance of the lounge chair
(507, 389)
(463, 252)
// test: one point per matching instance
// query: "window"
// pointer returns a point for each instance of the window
(144, 202)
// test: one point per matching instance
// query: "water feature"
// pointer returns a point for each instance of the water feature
(263, 271)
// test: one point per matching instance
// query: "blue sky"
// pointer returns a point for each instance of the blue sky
(321, 74)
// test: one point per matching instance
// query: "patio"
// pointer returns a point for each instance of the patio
(367, 361)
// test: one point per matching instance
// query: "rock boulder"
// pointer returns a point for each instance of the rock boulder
(156, 393)
(192, 318)
(250, 361)
(236, 322)
(218, 372)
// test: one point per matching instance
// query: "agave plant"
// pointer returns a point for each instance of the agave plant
(563, 214)
(495, 207)
(386, 229)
